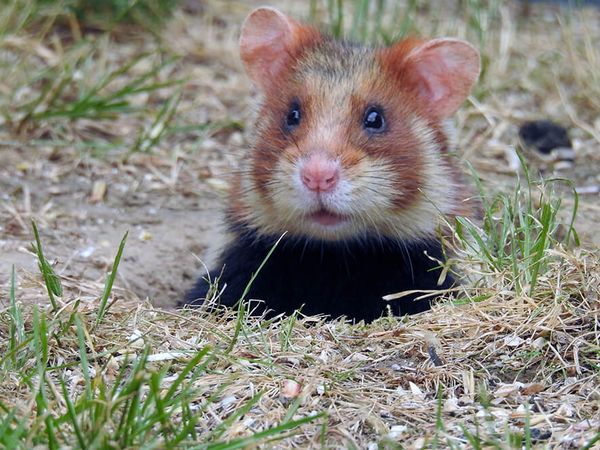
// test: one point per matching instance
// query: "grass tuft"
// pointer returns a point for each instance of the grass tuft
(65, 96)
(120, 397)
(85, 14)
(519, 230)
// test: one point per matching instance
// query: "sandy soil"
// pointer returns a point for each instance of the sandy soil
(166, 228)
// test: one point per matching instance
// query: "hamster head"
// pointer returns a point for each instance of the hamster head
(350, 141)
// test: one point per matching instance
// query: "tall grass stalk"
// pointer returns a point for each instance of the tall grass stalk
(242, 304)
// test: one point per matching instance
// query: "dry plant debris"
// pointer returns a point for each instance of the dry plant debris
(507, 363)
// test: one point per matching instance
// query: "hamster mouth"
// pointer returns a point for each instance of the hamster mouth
(326, 218)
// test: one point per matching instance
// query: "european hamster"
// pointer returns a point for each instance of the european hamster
(351, 164)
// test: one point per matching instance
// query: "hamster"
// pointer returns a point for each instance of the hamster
(350, 166)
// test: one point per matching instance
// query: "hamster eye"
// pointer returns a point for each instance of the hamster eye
(293, 116)
(373, 120)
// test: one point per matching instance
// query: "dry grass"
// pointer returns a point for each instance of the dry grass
(498, 366)
(494, 368)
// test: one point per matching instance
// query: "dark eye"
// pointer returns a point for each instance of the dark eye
(293, 116)
(373, 120)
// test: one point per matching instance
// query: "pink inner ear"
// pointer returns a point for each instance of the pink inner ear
(444, 71)
(431, 87)
(265, 43)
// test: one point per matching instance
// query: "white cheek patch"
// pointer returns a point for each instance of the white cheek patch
(288, 191)
(300, 197)
(340, 199)
(439, 186)
(373, 199)
(375, 205)
(288, 200)
(451, 133)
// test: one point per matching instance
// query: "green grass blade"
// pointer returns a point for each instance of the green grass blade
(103, 308)
(589, 444)
(241, 308)
(243, 410)
(72, 415)
(51, 279)
(17, 326)
(157, 129)
(161, 415)
(189, 367)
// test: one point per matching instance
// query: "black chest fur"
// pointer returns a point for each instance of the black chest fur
(337, 279)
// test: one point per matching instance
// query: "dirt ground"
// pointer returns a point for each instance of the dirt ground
(168, 200)
(166, 229)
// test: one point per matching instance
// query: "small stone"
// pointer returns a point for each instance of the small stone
(416, 391)
(588, 190)
(397, 431)
(87, 252)
(136, 339)
(507, 390)
(532, 388)
(229, 400)
(290, 389)
(236, 139)
(565, 154)
(359, 357)
(563, 165)
(513, 340)
(565, 410)
(451, 405)
(218, 184)
(145, 235)
(98, 191)
(539, 343)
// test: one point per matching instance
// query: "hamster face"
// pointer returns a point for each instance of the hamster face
(340, 154)
(349, 140)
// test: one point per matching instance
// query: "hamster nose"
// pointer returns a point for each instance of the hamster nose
(320, 174)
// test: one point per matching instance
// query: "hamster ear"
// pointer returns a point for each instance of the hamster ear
(269, 43)
(442, 71)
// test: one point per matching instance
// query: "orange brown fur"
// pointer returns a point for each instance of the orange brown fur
(398, 183)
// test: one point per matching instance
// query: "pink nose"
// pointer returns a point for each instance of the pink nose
(320, 174)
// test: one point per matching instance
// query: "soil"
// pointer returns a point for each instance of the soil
(166, 229)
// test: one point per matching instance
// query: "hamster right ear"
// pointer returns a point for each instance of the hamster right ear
(269, 43)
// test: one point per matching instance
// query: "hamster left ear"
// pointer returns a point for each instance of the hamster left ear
(442, 71)
(269, 43)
